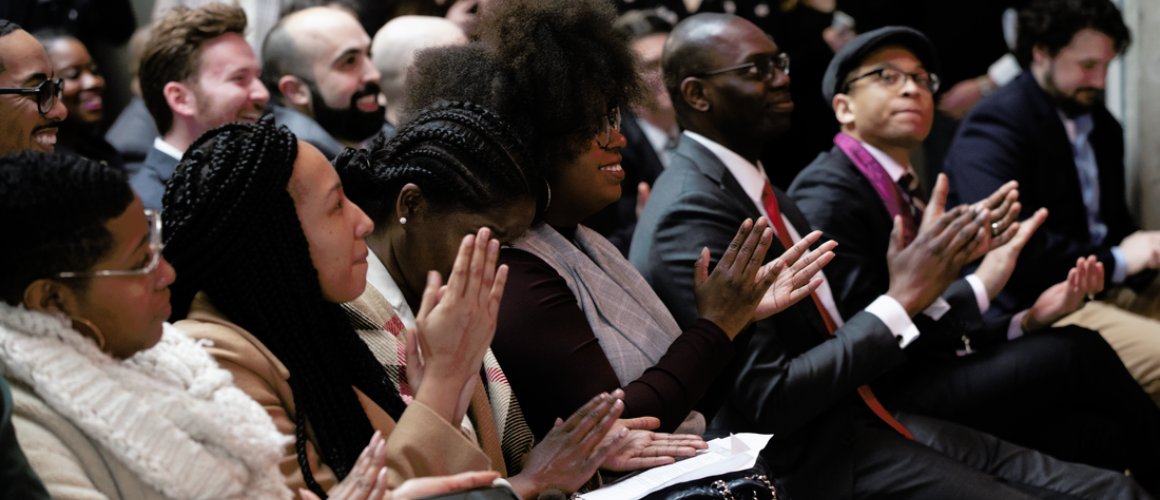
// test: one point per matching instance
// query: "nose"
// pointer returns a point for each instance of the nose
(910, 86)
(618, 140)
(258, 92)
(370, 73)
(1098, 77)
(89, 81)
(363, 225)
(58, 111)
(165, 275)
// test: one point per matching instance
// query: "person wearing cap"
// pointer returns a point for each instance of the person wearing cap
(880, 86)
(803, 376)
(1050, 130)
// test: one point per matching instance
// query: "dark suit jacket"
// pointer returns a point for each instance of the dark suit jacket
(306, 129)
(641, 164)
(838, 199)
(132, 134)
(797, 381)
(149, 182)
(1017, 134)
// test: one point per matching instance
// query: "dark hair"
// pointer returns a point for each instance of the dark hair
(173, 51)
(53, 210)
(638, 24)
(553, 67)
(461, 155)
(1051, 24)
(232, 231)
(6, 28)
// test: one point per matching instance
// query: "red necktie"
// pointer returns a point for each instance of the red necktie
(770, 202)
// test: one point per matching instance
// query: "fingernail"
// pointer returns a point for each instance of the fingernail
(432, 277)
(484, 233)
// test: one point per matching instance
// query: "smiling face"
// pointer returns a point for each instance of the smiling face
(1076, 76)
(226, 87)
(22, 127)
(898, 116)
(741, 103)
(334, 226)
(128, 310)
(83, 83)
(586, 184)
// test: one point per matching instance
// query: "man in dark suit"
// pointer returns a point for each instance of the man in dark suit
(1049, 131)
(832, 439)
(1055, 391)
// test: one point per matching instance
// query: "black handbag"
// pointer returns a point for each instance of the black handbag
(751, 484)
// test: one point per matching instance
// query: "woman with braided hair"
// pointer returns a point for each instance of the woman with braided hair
(453, 170)
(579, 319)
(269, 249)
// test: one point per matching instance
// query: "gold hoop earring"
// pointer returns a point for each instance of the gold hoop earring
(96, 332)
(549, 203)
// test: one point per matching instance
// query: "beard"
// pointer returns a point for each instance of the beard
(1070, 103)
(350, 123)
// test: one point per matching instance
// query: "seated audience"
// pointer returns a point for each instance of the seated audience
(607, 328)
(317, 62)
(133, 131)
(1050, 131)
(197, 73)
(80, 132)
(393, 50)
(270, 249)
(803, 377)
(29, 93)
(109, 401)
(1055, 390)
(650, 130)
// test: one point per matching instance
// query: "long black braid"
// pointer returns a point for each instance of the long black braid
(232, 231)
(463, 156)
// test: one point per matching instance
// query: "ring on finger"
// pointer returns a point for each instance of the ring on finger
(995, 229)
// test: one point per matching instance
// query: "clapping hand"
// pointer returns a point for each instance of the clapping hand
(366, 480)
(729, 294)
(797, 281)
(1084, 280)
(999, 263)
(641, 448)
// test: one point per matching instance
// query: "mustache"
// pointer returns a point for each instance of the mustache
(371, 88)
(52, 123)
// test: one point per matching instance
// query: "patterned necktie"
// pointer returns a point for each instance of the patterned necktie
(770, 202)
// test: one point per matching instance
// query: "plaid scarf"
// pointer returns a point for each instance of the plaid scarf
(502, 429)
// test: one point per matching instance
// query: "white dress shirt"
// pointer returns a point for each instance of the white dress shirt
(164, 147)
(752, 179)
(380, 278)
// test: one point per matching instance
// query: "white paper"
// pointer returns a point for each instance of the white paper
(732, 454)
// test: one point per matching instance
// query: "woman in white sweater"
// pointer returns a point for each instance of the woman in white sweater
(110, 401)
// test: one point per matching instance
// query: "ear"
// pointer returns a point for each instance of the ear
(843, 109)
(696, 94)
(295, 91)
(180, 98)
(411, 203)
(46, 295)
(1039, 56)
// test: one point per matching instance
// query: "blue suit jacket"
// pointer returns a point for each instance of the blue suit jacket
(149, 182)
(1017, 134)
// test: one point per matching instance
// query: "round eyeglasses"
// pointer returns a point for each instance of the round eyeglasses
(893, 78)
(46, 93)
(608, 123)
(762, 69)
(155, 247)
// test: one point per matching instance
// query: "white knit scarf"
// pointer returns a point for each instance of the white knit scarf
(169, 413)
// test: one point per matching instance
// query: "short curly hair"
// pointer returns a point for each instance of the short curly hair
(550, 68)
(53, 210)
(1051, 24)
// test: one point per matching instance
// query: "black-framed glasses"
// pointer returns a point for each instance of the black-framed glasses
(608, 123)
(155, 247)
(893, 78)
(46, 93)
(762, 69)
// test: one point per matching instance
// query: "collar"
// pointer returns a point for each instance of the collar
(659, 139)
(166, 148)
(380, 278)
(1078, 128)
(751, 177)
(893, 169)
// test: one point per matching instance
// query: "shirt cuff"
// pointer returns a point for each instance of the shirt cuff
(1015, 329)
(980, 290)
(1004, 70)
(894, 316)
(1120, 273)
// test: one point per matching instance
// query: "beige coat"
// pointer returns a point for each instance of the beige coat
(420, 444)
(72, 466)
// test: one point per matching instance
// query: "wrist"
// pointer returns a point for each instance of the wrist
(441, 395)
(731, 330)
(524, 486)
(908, 302)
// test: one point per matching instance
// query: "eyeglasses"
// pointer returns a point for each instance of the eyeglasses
(46, 93)
(608, 123)
(155, 247)
(892, 78)
(762, 69)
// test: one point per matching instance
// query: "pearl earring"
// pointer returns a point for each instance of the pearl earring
(402, 220)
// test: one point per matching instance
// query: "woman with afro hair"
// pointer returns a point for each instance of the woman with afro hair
(578, 319)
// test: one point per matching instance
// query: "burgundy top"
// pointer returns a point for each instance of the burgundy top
(555, 364)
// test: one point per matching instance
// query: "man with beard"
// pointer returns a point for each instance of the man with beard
(29, 117)
(197, 72)
(317, 62)
(1050, 131)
